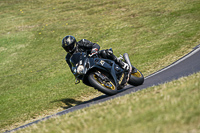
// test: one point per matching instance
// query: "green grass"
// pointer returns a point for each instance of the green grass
(168, 108)
(36, 81)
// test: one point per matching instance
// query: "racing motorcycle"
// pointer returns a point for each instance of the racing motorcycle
(103, 74)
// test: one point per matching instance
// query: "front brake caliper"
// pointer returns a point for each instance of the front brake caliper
(102, 77)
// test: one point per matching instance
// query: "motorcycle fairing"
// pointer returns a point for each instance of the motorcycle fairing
(93, 63)
(108, 66)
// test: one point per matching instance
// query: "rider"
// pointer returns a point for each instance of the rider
(71, 46)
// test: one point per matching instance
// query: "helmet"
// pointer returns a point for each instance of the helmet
(68, 43)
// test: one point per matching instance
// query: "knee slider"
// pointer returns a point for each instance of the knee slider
(103, 54)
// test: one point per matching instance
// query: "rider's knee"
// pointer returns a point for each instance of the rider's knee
(103, 54)
(107, 54)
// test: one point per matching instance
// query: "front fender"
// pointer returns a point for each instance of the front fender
(103, 66)
(93, 69)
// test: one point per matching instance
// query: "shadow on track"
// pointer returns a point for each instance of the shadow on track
(69, 102)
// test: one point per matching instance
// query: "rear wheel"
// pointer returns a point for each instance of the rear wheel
(102, 82)
(136, 77)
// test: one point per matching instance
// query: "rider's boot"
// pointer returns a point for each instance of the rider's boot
(125, 77)
(122, 64)
(128, 69)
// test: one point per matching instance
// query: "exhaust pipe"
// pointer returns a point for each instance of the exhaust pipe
(126, 58)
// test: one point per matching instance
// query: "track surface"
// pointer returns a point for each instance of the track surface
(185, 66)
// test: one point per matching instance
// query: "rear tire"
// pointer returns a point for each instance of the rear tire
(97, 84)
(136, 78)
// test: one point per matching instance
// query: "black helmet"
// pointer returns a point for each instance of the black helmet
(68, 43)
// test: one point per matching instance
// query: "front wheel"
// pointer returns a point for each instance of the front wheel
(102, 82)
(136, 77)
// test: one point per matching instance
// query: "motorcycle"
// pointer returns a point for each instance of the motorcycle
(103, 74)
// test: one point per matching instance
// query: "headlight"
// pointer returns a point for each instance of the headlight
(80, 69)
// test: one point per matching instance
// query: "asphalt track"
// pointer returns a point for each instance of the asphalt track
(185, 66)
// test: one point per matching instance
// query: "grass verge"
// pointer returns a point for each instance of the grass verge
(171, 107)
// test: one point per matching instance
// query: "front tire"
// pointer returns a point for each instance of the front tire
(136, 77)
(108, 87)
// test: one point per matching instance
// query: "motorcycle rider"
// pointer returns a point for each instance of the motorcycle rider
(71, 46)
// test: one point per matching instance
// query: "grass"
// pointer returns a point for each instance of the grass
(36, 81)
(171, 107)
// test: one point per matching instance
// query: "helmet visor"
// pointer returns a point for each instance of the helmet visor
(69, 48)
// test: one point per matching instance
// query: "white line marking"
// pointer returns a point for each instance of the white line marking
(175, 63)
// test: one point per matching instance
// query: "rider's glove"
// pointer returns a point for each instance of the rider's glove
(94, 51)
